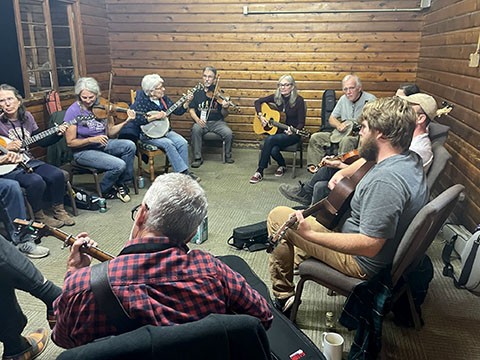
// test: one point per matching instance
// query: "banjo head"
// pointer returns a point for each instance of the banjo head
(157, 128)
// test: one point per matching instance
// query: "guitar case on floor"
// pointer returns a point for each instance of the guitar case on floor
(287, 342)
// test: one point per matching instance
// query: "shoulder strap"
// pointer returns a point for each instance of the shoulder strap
(147, 248)
(107, 302)
(446, 256)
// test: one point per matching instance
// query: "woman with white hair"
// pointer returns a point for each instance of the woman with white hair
(90, 141)
(152, 98)
(287, 100)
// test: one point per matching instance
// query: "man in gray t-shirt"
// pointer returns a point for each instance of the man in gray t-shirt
(348, 107)
(384, 204)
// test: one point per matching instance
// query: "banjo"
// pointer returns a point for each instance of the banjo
(5, 169)
(158, 128)
(351, 129)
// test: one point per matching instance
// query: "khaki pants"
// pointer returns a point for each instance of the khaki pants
(320, 141)
(282, 258)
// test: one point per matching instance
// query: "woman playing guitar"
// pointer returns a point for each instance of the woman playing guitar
(289, 102)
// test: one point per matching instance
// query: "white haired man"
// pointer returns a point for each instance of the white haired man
(164, 284)
(348, 107)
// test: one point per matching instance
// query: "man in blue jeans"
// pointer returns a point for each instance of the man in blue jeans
(13, 206)
(19, 273)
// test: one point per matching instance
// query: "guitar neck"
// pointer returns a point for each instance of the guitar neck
(285, 127)
(68, 239)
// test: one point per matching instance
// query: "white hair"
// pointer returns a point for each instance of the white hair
(355, 77)
(177, 205)
(87, 83)
(150, 82)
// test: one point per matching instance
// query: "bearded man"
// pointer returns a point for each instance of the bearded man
(385, 202)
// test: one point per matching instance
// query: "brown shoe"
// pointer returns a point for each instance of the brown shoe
(47, 220)
(59, 213)
(38, 341)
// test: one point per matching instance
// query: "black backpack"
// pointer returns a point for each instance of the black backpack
(328, 104)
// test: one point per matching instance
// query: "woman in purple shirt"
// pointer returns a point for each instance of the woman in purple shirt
(91, 144)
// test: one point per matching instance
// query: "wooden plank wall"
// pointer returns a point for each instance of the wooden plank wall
(450, 34)
(177, 39)
(96, 41)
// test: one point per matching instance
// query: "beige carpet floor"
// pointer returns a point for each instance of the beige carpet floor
(452, 317)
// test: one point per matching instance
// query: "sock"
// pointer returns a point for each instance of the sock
(15, 345)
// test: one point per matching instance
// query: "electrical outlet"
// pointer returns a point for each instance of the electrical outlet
(474, 60)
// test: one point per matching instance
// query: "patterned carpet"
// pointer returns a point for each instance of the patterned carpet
(452, 317)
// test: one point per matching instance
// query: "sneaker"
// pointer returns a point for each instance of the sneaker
(229, 161)
(193, 176)
(33, 250)
(296, 193)
(280, 171)
(257, 177)
(38, 341)
(197, 163)
(284, 305)
(122, 194)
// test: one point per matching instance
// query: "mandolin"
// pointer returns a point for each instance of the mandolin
(38, 230)
(273, 118)
(328, 211)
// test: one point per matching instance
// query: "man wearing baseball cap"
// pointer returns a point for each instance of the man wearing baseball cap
(426, 108)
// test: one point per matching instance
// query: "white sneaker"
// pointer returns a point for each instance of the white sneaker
(122, 194)
(33, 250)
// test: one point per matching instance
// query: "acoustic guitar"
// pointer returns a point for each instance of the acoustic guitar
(273, 117)
(158, 128)
(328, 211)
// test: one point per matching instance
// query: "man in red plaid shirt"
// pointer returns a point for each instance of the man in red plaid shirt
(165, 287)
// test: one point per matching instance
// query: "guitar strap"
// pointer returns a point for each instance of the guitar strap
(108, 303)
(164, 103)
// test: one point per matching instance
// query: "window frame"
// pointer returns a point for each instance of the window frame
(76, 40)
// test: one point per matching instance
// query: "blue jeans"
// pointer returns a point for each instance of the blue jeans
(272, 146)
(318, 185)
(47, 182)
(174, 145)
(116, 159)
(13, 205)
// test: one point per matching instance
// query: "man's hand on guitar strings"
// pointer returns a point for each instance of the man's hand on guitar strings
(334, 180)
(77, 259)
(302, 227)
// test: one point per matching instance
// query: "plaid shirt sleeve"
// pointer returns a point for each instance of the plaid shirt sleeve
(242, 298)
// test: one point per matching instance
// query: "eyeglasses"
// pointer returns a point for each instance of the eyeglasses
(135, 210)
(284, 85)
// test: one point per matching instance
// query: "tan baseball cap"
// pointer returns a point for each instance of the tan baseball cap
(426, 102)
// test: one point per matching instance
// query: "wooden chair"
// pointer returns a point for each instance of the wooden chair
(416, 240)
(149, 151)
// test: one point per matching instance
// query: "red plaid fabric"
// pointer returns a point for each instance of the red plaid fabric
(162, 288)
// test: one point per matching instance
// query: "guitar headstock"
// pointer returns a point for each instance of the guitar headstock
(302, 132)
(445, 110)
(33, 228)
